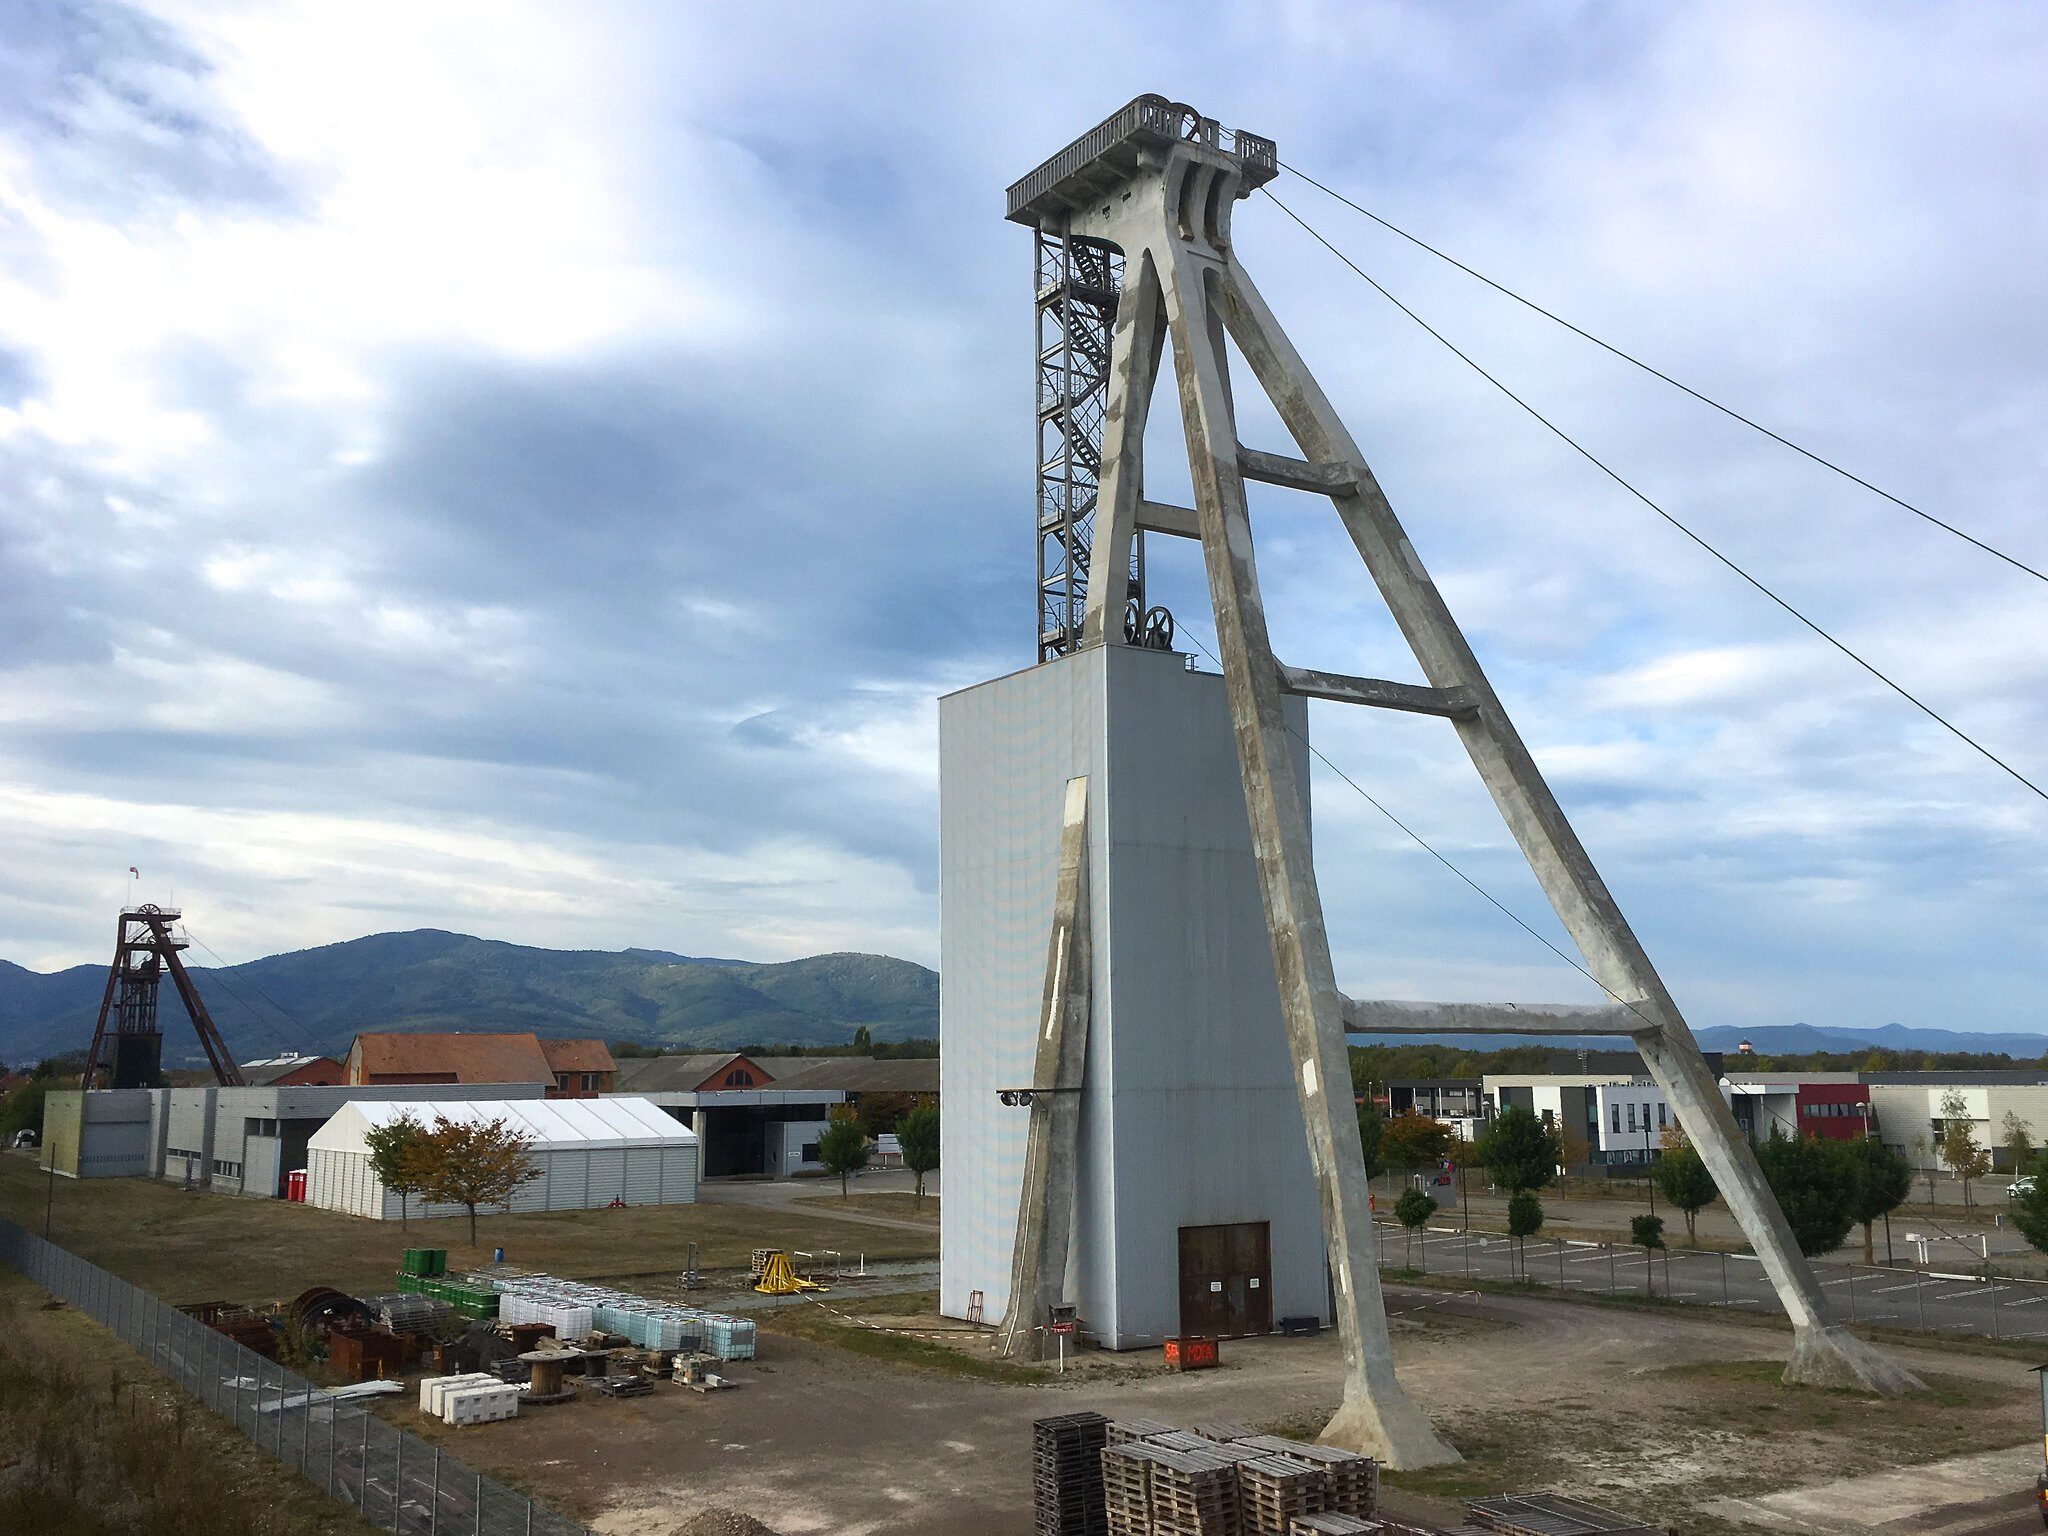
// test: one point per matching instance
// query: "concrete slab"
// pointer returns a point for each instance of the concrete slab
(1900, 1500)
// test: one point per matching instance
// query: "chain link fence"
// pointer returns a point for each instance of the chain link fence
(397, 1481)
(1978, 1300)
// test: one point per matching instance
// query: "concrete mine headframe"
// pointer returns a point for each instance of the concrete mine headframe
(1156, 183)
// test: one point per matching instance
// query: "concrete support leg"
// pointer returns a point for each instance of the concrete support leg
(1133, 372)
(1045, 1203)
(1824, 1353)
(1376, 1416)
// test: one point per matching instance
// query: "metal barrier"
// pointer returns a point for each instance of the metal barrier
(398, 1481)
(1979, 1301)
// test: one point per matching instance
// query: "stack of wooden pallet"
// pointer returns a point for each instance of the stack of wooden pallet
(1123, 1431)
(1350, 1481)
(1194, 1493)
(1066, 1469)
(1275, 1490)
(1127, 1485)
(1330, 1523)
(1550, 1514)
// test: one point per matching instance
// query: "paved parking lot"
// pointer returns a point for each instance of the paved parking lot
(1935, 1300)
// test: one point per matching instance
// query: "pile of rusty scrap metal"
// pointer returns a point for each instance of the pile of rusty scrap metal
(248, 1328)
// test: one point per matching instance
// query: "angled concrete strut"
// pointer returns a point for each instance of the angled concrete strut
(1171, 218)
(1045, 1206)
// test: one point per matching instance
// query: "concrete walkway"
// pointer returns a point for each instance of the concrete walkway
(1908, 1499)
(790, 1195)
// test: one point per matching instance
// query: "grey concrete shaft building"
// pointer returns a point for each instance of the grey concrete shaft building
(1190, 1121)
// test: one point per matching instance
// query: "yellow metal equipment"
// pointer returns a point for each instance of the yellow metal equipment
(779, 1279)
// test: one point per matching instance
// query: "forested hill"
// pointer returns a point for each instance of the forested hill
(317, 999)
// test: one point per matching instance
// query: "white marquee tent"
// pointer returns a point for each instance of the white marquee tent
(590, 1152)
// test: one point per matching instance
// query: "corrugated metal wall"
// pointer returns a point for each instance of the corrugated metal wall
(1191, 1117)
(343, 1181)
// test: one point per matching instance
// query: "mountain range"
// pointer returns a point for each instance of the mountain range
(318, 999)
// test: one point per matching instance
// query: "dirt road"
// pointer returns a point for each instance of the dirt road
(1663, 1412)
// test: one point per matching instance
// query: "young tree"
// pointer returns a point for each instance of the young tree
(1525, 1220)
(2019, 1141)
(1681, 1177)
(2030, 1210)
(918, 1134)
(1411, 1142)
(472, 1164)
(1922, 1160)
(1883, 1180)
(843, 1150)
(398, 1156)
(1370, 1129)
(1518, 1151)
(1958, 1146)
(1647, 1233)
(1573, 1150)
(1412, 1210)
(1814, 1186)
(881, 1113)
(863, 1042)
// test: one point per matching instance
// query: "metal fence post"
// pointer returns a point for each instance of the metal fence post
(397, 1479)
(478, 1528)
(1560, 1263)
(1920, 1296)
(1610, 1267)
(1852, 1293)
(434, 1519)
(363, 1470)
(1992, 1275)
(1724, 1277)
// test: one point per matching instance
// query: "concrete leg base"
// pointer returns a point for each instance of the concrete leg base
(1835, 1357)
(1393, 1431)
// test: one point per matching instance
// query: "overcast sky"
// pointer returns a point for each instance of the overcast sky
(529, 469)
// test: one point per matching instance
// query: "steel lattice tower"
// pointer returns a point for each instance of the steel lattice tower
(1076, 282)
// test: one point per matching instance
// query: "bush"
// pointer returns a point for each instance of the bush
(22, 1110)
(1525, 1216)
(1815, 1185)
(1647, 1233)
(1412, 1210)
(1682, 1178)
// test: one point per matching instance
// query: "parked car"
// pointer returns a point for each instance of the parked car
(25, 1139)
(2020, 1186)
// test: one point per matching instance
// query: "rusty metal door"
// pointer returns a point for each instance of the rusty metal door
(1226, 1280)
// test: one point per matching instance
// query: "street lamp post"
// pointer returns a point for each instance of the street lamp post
(1649, 1180)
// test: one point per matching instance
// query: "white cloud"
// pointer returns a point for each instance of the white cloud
(619, 419)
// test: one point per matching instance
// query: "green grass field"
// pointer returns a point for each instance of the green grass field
(187, 1246)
